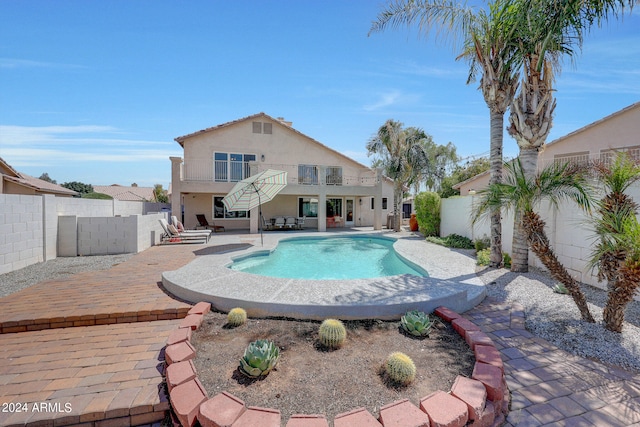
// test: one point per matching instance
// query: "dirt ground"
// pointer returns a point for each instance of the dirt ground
(309, 379)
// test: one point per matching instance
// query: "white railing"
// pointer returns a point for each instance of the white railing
(232, 171)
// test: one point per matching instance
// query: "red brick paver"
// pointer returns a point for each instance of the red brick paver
(89, 349)
(128, 292)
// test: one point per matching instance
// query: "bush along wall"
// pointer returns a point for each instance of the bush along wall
(428, 213)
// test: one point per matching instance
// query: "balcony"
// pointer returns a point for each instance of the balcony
(204, 171)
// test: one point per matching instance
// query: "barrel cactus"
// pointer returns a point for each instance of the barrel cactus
(260, 357)
(332, 333)
(236, 317)
(416, 323)
(400, 368)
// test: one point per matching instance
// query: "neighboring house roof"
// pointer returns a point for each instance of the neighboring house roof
(280, 121)
(131, 194)
(473, 178)
(40, 186)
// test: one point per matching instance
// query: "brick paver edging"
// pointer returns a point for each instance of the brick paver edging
(481, 401)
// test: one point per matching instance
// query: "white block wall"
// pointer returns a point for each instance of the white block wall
(29, 227)
(567, 227)
(21, 235)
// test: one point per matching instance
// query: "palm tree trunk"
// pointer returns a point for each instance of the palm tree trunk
(540, 245)
(397, 200)
(520, 257)
(626, 286)
(497, 124)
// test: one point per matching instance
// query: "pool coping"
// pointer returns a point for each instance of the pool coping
(452, 283)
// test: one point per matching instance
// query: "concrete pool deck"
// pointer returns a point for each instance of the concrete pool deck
(452, 281)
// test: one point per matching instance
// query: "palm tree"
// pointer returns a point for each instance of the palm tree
(616, 252)
(488, 49)
(402, 156)
(554, 183)
(546, 30)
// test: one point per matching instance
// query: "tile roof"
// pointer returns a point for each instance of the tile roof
(31, 182)
(119, 192)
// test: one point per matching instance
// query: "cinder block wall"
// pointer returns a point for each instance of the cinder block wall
(30, 232)
(21, 232)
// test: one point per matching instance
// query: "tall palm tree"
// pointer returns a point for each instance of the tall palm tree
(546, 31)
(519, 191)
(488, 49)
(615, 254)
(403, 157)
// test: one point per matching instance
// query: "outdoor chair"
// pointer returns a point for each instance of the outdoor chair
(300, 222)
(337, 221)
(266, 225)
(280, 222)
(172, 235)
(290, 222)
(202, 221)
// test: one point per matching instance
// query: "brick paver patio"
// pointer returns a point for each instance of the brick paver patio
(61, 366)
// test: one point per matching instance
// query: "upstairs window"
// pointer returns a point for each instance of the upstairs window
(307, 174)
(334, 175)
(232, 166)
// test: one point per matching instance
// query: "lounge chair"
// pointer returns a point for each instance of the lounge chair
(290, 222)
(266, 225)
(202, 221)
(172, 235)
(280, 222)
(300, 222)
(338, 221)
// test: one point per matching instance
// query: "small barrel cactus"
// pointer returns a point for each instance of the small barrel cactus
(260, 357)
(332, 333)
(236, 317)
(416, 323)
(400, 368)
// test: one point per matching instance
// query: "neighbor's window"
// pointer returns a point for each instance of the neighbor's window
(384, 203)
(308, 207)
(220, 212)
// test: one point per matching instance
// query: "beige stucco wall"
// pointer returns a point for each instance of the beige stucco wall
(13, 188)
(283, 149)
(619, 130)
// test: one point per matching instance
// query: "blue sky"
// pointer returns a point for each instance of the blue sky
(96, 91)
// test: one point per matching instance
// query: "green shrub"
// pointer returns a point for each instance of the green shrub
(260, 357)
(452, 241)
(400, 368)
(332, 333)
(506, 260)
(236, 317)
(427, 205)
(481, 244)
(98, 196)
(483, 257)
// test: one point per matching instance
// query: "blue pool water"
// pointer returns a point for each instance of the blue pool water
(329, 258)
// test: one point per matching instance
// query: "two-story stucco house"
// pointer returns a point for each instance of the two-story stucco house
(599, 140)
(322, 183)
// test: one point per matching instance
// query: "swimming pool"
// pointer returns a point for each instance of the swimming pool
(351, 257)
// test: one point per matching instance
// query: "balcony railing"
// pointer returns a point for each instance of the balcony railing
(203, 170)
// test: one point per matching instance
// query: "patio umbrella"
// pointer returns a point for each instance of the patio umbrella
(255, 190)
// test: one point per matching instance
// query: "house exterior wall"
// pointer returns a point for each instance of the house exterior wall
(618, 131)
(194, 184)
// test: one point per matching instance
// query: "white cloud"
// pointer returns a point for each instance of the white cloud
(14, 63)
(55, 145)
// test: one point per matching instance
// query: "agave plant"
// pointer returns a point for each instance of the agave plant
(416, 323)
(260, 357)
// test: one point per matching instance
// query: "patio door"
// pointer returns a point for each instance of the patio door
(349, 212)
